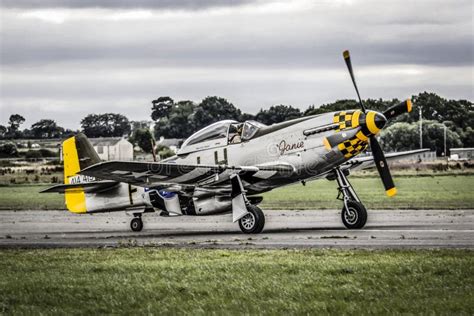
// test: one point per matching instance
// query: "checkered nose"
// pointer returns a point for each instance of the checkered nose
(354, 130)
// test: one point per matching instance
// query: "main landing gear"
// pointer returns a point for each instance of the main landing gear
(354, 214)
(250, 217)
(253, 222)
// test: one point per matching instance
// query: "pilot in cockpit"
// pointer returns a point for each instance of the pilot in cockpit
(235, 133)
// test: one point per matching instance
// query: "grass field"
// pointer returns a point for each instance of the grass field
(428, 192)
(27, 197)
(204, 282)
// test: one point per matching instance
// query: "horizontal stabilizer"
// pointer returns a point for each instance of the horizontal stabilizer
(89, 187)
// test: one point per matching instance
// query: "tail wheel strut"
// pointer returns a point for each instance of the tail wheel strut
(136, 224)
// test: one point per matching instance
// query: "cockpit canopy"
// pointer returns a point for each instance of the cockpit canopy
(214, 131)
(220, 134)
(250, 128)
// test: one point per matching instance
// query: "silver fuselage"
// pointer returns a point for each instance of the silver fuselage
(287, 145)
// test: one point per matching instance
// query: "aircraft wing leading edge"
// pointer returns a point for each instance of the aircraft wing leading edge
(368, 161)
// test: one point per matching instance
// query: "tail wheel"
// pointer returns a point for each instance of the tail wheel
(136, 224)
(253, 222)
(355, 215)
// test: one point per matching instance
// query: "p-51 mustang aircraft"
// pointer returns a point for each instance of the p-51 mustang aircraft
(225, 166)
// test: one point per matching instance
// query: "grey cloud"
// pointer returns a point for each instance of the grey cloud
(241, 40)
(252, 57)
(123, 4)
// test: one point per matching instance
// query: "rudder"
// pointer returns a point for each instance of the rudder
(78, 154)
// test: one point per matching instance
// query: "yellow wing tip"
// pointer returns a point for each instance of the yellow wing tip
(409, 105)
(346, 54)
(326, 143)
(391, 192)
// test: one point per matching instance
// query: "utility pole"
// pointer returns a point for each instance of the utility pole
(421, 128)
(445, 141)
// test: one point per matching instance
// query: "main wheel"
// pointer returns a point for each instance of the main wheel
(355, 216)
(253, 222)
(136, 224)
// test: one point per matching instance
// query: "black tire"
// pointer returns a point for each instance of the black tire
(356, 215)
(136, 224)
(253, 222)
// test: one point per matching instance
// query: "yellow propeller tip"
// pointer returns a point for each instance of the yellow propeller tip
(326, 143)
(391, 192)
(409, 105)
(346, 54)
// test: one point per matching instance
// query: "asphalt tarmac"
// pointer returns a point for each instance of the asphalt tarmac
(283, 229)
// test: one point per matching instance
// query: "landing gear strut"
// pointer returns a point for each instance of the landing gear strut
(136, 224)
(250, 217)
(354, 214)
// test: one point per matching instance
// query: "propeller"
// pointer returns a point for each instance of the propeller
(347, 59)
(373, 123)
(396, 110)
(382, 167)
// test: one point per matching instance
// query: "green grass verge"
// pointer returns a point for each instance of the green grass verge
(202, 282)
(428, 192)
(27, 197)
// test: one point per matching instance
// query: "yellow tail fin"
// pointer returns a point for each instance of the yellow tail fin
(78, 154)
(75, 199)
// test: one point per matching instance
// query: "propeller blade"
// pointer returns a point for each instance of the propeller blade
(382, 167)
(347, 58)
(338, 138)
(396, 110)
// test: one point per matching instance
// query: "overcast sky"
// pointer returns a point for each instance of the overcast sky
(65, 59)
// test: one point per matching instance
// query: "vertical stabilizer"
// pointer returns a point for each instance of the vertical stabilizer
(78, 154)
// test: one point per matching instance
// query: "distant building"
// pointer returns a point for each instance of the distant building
(113, 148)
(461, 153)
(426, 156)
(172, 143)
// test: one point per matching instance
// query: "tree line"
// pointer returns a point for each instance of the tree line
(179, 119)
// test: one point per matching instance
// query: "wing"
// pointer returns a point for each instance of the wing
(89, 187)
(148, 174)
(368, 161)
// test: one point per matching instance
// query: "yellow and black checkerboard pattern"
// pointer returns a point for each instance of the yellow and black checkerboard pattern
(352, 147)
(344, 119)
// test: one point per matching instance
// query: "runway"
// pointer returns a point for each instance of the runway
(283, 229)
